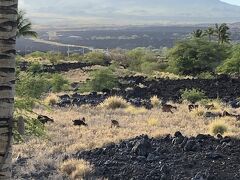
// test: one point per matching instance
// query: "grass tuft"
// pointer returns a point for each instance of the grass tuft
(114, 102)
(219, 126)
(76, 169)
(155, 102)
(51, 99)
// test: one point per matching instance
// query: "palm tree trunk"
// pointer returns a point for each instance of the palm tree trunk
(8, 26)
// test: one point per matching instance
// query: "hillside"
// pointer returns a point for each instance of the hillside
(137, 12)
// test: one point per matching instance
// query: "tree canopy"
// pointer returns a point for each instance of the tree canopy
(196, 56)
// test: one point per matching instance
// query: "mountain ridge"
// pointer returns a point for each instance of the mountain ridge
(132, 11)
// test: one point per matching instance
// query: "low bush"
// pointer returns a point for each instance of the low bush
(114, 102)
(100, 80)
(218, 127)
(33, 86)
(58, 83)
(193, 95)
(23, 107)
(35, 67)
(205, 75)
(97, 58)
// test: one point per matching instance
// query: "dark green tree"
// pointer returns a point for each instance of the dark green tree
(198, 33)
(210, 33)
(232, 64)
(222, 32)
(195, 56)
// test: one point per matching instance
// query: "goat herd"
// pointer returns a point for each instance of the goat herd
(165, 108)
(77, 122)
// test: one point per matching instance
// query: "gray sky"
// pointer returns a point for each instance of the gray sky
(122, 12)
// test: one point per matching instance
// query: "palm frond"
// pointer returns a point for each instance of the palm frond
(24, 26)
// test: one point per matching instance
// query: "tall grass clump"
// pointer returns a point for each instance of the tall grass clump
(114, 102)
(155, 102)
(218, 127)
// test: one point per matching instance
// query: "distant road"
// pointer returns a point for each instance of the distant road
(59, 44)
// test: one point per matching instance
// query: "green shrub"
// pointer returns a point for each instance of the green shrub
(23, 107)
(58, 83)
(191, 57)
(205, 75)
(96, 57)
(54, 57)
(35, 67)
(232, 64)
(103, 79)
(142, 60)
(193, 95)
(36, 54)
(75, 57)
(149, 67)
(30, 85)
(33, 127)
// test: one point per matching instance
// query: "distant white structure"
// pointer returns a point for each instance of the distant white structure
(52, 35)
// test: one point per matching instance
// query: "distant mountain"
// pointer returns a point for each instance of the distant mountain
(76, 12)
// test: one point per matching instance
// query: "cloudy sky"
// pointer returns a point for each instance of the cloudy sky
(86, 12)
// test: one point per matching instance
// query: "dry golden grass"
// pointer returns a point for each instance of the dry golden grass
(155, 101)
(135, 110)
(76, 169)
(64, 138)
(114, 102)
(152, 122)
(80, 75)
(218, 126)
(51, 99)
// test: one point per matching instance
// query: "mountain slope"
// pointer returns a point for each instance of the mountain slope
(133, 11)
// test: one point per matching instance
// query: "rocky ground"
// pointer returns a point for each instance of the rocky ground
(167, 158)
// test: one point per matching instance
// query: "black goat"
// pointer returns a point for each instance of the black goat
(80, 122)
(44, 119)
(114, 123)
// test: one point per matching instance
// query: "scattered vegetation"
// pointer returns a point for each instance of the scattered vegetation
(193, 95)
